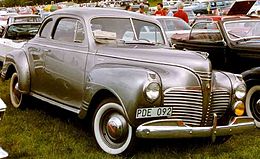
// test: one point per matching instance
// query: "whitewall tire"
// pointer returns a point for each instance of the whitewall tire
(16, 97)
(253, 104)
(111, 130)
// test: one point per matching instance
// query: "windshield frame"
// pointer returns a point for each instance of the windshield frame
(241, 38)
(133, 28)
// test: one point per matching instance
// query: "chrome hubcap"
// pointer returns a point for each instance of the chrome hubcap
(116, 128)
(258, 105)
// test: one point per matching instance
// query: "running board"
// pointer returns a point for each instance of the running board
(63, 106)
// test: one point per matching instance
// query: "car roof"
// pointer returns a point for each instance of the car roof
(24, 23)
(24, 15)
(89, 12)
(165, 17)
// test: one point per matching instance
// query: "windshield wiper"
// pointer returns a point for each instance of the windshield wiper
(143, 42)
(140, 42)
(233, 34)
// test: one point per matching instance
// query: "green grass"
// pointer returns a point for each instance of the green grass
(44, 131)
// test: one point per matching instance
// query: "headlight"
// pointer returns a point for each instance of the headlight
(240, 91)
(152, 91)
(239, 108)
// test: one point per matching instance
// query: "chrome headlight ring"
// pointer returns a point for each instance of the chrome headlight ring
(152, 91)
(240, 91)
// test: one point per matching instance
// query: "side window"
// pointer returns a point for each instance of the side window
(69, 30)
(46, 29)
(205, 32)
(79, 33)
(148, 32)
(65, 30)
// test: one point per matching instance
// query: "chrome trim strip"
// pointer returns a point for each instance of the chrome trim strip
(74, 110)
(85, 105)
(173, 129)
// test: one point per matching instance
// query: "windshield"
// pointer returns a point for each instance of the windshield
(174, 24)
(246, 29)
(26, 19)
(111, 30)
(22, 31)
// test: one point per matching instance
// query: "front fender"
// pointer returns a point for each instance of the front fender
(251, 75)
(125, 82)
(17, 60)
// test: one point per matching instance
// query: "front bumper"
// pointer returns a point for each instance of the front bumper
(172, 128)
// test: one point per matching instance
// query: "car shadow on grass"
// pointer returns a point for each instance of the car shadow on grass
(58, 113)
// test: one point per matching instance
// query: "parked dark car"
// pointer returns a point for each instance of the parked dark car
(238, 8)
(102, 65)
(233, 45)
(23, 18)
(15, 35)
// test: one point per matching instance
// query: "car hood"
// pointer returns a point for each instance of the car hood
(184, 34)
(241, 7)
(196, 61)
(176, 33)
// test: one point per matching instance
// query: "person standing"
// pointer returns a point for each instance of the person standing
(181, 13)
(128, 7)
(141, 9)
(168, 12)
(160, 11)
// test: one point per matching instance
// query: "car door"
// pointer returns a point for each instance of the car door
(64, 58)
(207, 37)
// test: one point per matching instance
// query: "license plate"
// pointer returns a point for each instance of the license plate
(153, 112)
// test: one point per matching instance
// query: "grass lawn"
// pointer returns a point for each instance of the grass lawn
(44, 131)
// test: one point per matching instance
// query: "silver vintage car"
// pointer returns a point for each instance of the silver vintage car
(103, 65)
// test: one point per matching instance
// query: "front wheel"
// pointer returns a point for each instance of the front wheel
(16, 97)
(253, 103)
(111, 130)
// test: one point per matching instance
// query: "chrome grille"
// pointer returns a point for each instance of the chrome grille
(187, 105)
(205, 76)
(220, 100)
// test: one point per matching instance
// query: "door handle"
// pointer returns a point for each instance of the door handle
(46, 50)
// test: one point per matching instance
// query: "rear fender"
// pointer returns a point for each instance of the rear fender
(17, 61)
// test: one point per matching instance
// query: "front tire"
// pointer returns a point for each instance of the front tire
(253, 103)
(112, 132)
(16, 97)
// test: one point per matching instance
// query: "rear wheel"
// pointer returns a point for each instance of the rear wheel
(16, 97)
(111, 130)
(253, 103)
